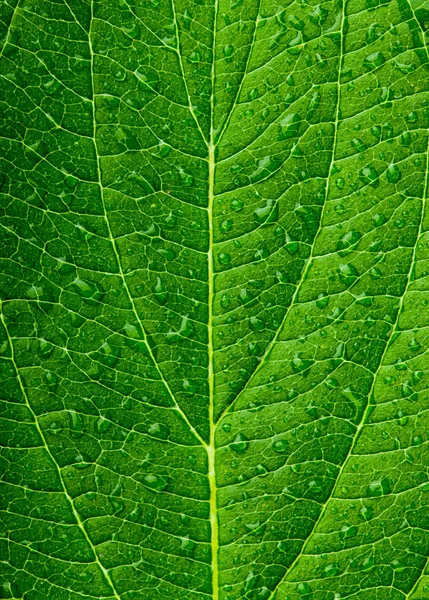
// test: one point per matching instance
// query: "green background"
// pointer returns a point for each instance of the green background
(214, 236)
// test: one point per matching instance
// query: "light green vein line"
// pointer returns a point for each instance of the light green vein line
(211, 450)
(179, 55)
(57, 467)
(240, 87)
(366, 412)
(410, 594)
(9, 29)
(395, 328)
(308, 264)
(425, 197)
(307, 267)
(117, 256)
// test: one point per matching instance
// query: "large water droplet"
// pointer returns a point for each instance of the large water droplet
(347, 273)
(237, 205)
(76, 423)
(379, 487)
(348, 240)
(159, 430)
(300, 364)
(358, 144)
(374, 60)
(224, 258)
(240, 443)
(185, 330)
(155, 482)
(289, 126)
(369, 175)
(268, 213)
(256, 324)
(159, 291)
(280, 446)
(102, 425)
(393, 173)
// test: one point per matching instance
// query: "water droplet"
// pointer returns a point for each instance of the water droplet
(331, 383)
(366, 512)
(76, 423)
(348, 531)
(240, 443)
(133, 30)
(253, 94)
(185, 330)
(195, 57)
(300, 364)
(303, 588)
(379, 220)
(289, 126)
(318, 14)
(368, 563)
(292, 247)
(159, 430)
(86, 576)
(135, 514)
(224, 258)
(385, 95)
(322, 300)
(226, 225)
(228, 50)
(347, 274)
(50, 378)
(374, 32)
(417, 440)
(280, 446)
(331, 570)
(268, 213)
(375, 273)
(245, 296)
(155, 482)
(159, 291)
(45, 347)
(358, 144)
(414, 345)
(131, 331)
(348, 240)
(393, 174)
(313, 105)
(186, 179)
(237, 205)
(374, 60)
(379, 487)
(225, 301)
(102, 425)
(256, 324)
(189, 386)
(369, 175)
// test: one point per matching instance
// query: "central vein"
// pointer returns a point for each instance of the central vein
(211, 446)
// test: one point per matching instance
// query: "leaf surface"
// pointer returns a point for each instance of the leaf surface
(214, 300)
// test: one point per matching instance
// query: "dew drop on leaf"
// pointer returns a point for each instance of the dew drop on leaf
(240, 443)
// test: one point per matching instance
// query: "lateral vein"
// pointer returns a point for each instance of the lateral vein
(117, 256)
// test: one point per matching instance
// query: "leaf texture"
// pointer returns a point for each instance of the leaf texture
(214, 294)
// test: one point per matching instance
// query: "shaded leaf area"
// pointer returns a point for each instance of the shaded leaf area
(317, 118)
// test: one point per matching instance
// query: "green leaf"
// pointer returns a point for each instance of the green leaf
(214, 300)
